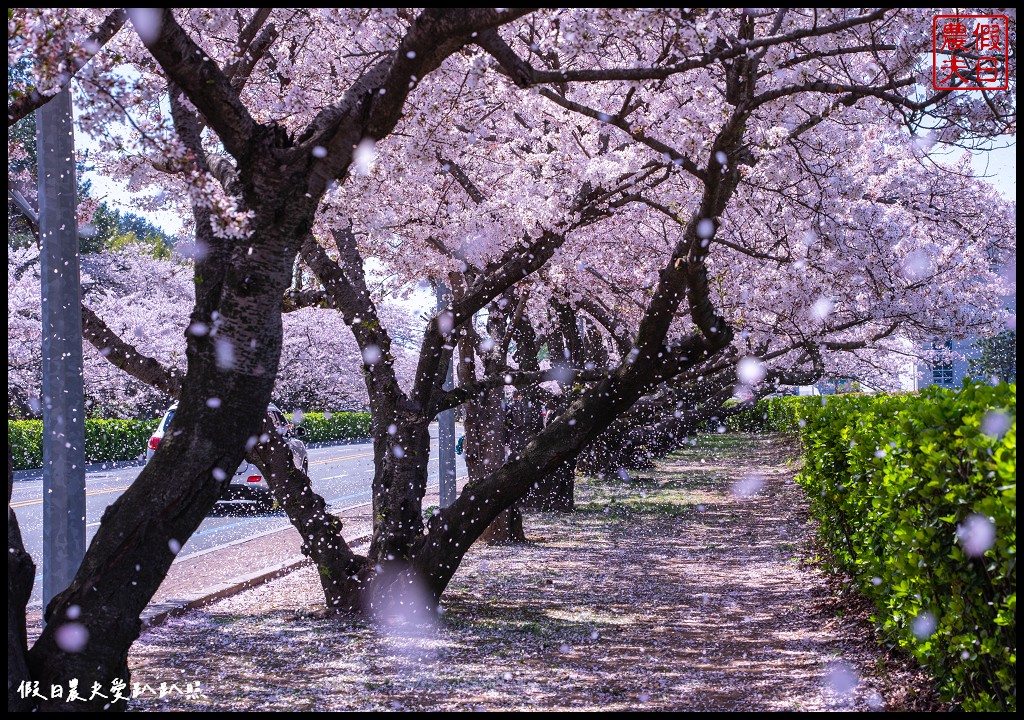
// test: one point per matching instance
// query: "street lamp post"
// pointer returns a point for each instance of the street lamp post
(446, 429)
(63, 401)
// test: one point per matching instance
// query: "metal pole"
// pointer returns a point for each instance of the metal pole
(446, 428)
(63, 394)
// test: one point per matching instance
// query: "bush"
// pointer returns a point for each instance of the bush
(105, 440)
(25, 441)
(902, 486)
(110, 440)
(776, 414)
(335, 427)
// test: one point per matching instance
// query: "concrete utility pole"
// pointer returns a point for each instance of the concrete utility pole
(63, 401)
(446, 428)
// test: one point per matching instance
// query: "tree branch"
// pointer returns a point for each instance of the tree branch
(373, 104)
(207, 87)
(22, 106)
(126, 357)
(516, 378)
(620, 122)
(524, 75)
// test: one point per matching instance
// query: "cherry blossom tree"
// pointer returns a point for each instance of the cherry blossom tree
(144, 301)
(720, 196)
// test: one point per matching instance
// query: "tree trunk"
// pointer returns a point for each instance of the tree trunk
(506, 529)
(220, 408)
(485, 452)
(21, 572)
(402, 454)
(343, 575)
(554, 492)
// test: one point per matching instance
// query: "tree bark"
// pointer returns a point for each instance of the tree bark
(21, 572)
(343, 575)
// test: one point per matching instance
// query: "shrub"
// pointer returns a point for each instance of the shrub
(335, 427)
(25, 441)
(902, 486)
(776, 414)
(105, 440)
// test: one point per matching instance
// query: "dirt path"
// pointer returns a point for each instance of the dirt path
(691, 588)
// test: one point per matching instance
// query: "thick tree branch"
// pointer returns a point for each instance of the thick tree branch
(206, 86)
(620, 122)
(126, 357)
(309, 297)
(858, 344)
(607, 319)
(462, 179)
(345, 290)
(372, 106)
(23, 105)
(320, 529)
(25, 208)
(853, 92)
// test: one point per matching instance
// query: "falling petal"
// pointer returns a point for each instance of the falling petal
(225, 353)
(917, 265)
(365, 157)
(71, 637)
(923, 625)
(371, 355)
(841, 679)
(705, 229)
(977, 535)
(750, 370)
(995, 423)
(822, 308)
(748, 486)
(147, 22)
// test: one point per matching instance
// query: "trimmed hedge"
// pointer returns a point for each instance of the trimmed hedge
(898, 485)
(25, 441)
(777, 414)
(105, 440)
(335, 427)
(111, 440)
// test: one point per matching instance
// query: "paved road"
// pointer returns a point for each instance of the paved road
(340, 473)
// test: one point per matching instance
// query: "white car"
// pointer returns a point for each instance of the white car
(248, 484)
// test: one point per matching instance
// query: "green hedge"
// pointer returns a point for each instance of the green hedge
(110, 440)
(105, 440)
(777, 414)
(894, 481)
(335, 427)
(25, 441)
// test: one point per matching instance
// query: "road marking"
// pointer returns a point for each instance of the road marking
(343, 457)
(23, 503)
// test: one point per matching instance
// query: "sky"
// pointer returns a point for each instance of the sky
(1002, 166)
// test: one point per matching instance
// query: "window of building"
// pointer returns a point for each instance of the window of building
(942, 367)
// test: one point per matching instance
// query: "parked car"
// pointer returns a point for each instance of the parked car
(248, 484)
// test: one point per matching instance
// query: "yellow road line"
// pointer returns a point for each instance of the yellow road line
(343, 457)
(23, 503)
